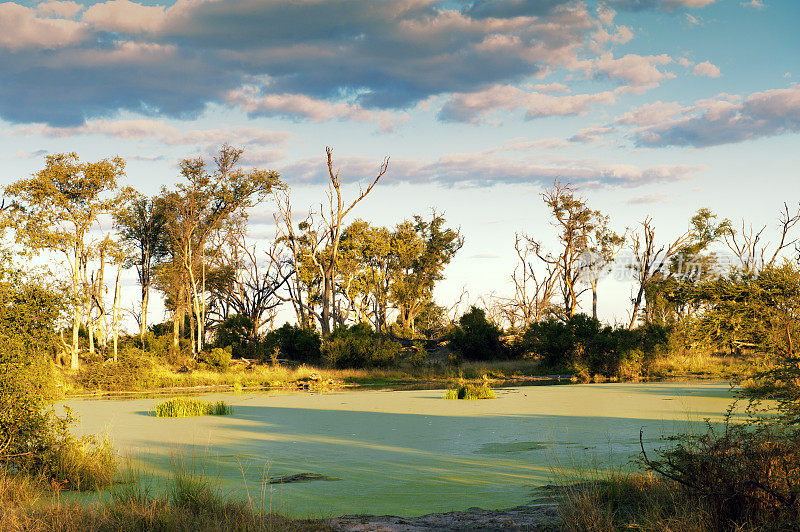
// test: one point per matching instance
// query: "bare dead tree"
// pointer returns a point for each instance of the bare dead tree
(750, 249)
(250, 280)
(649, 261)
(533, 293)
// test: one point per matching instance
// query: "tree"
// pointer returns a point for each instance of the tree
(574, 222)
(421, 251)
(652, 264)
(198, 208)
(29, 310)
(56, 209)
(315, 252)
(142, 226)
(243, 283)
(602, 248)
(533, 292)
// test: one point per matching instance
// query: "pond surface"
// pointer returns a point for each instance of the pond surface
(402, 452)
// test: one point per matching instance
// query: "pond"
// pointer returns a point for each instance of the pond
(406, 452)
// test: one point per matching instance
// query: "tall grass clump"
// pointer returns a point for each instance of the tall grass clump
(470, 391)
(187, 407)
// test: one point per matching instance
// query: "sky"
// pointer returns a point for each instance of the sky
(650, 107)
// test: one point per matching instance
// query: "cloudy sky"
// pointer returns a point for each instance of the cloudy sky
(650, 106)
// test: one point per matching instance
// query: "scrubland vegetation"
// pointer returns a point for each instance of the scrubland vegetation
(363, 299)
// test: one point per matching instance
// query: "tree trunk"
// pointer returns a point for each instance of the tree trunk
(594, 298)
(115, 312)
(76, 325)
(145, 302)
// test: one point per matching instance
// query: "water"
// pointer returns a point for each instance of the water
(403, 452)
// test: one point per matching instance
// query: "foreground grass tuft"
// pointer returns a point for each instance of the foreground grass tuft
(187, 407)
(470, 391)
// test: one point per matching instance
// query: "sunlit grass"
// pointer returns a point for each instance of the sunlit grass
(187, 407)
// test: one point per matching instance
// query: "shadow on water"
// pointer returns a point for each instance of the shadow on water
(406, 464)
(405, 453)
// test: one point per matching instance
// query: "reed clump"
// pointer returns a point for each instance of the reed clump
(470, 392)
(188, 407)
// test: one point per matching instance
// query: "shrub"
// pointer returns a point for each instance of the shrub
(186, 407)
(470, 392)
(295, 343)
(28, 312)
(133, 370)
(746, 475)
(238, 333)
(359, 347)
(582, 341)
(476, 338)
(218, 358)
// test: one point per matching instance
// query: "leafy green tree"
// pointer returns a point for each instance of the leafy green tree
(199, 207)
(142, 226)
(56, 209)
(420, 250)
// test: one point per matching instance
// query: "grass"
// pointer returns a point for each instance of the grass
(470, 392)
(190, 503)
(618, 500)
(152, 373)
(188, 407)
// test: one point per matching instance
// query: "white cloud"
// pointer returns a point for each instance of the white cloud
(23, 28)
(125, 16)
(707, 69)
(63, 9)
(251, 101)
(158, 131)
(648, 114)
(754, 4)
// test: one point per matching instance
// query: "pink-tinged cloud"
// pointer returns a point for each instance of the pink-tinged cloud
(63, 9)
(706, 69)
(648, 114)
(22, 28)
(253, 102)
(639, 72)
(482, 169)
(477, 106)
(158, 131)
(727, 120)
(124, 16)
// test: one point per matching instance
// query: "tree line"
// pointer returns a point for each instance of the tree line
(189, 243)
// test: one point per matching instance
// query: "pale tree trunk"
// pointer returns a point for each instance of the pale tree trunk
(143, 321)
(594, 297)
(77, 316)
(115, 311)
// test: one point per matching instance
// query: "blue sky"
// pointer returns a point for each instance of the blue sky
(650, 106)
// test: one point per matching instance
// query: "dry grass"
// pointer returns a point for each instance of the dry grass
(619, 501)
(190, 504)
(698, 365)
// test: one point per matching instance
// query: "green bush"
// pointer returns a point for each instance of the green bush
(583, 341)
(359, 347)
(218, 358)
(237, 332)
(294, 343)
(28, 313)
(476, 338)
